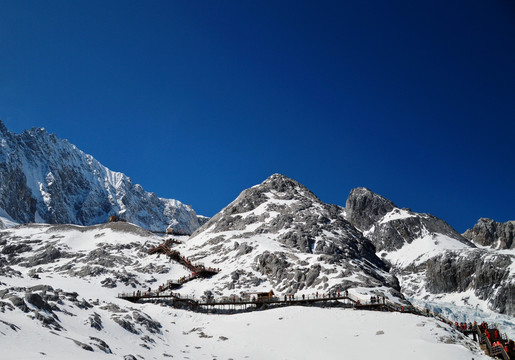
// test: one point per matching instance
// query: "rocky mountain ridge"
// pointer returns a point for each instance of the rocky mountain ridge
(488, 232)
(46, 179)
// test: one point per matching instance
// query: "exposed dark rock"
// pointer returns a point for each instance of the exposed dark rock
(272, 265)
(82, 345)
(48, 255)
(36, 300)
(42, 288)
(19, 303)
(108, 283)
(113, 308)
(88, 271)
(49, 321)
(12, 326)
(101, 344)
(126, 324)
(488, 232)
(95, 320)
(4, 305)
(244, 249)
(364, 208)
(152, 326)
(15, 249)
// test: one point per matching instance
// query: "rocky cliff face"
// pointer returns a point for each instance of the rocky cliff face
(364, 208)
(488, 232)
(487, 273)
(45, 179)
(279, 234)
(431, 259)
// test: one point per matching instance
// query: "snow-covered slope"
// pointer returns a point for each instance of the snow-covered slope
(431, 259)
(46, 179)
(58, 287)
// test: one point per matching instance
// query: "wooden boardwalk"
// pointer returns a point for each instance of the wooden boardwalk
(236, 303)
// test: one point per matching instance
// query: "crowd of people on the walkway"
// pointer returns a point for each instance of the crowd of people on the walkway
(463, 326)
(499, 344)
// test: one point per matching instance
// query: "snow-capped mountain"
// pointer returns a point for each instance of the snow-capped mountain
(59, 286)
(432, 260)
(278, 235)
(46, 179)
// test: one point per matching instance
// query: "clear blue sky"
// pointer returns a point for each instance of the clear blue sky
(199, 100)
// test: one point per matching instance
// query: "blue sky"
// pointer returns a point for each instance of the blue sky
(199, 100)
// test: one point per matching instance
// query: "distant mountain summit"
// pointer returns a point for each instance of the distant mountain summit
(46, 179)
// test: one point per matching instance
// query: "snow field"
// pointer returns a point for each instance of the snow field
(314, 333)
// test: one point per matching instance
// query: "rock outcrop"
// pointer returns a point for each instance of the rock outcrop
(364, 208)
(488, 232)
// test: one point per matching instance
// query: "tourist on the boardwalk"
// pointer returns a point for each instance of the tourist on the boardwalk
(511, 349)
(497, 344)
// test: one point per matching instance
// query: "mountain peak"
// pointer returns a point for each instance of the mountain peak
(277, 187)
(281, 183)
(3, 129)
(279, 180)
(364, 207)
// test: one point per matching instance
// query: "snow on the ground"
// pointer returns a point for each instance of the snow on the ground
(397, 214)
(314, 333)
(422, 249)
(286, 333)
